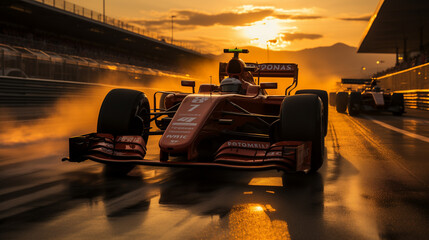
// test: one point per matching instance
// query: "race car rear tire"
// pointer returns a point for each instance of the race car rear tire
(125, 112)
(397, 103)
(162, 101)
(161, 123)
(301, 120)
(353, 105)
(341, 101)
(323, 95)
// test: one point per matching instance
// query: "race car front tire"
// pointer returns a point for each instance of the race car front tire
(323, 95)
(125, 112)
(301, 120)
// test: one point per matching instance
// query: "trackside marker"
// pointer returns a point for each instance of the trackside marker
(409, 134)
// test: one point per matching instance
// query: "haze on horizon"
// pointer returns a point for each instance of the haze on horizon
(281, 24)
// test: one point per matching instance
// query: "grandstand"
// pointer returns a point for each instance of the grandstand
(62, 33)
(402, 28)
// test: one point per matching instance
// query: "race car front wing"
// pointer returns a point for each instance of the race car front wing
(289, 156)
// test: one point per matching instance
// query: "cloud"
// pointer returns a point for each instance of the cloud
(300, 36)
(361, 18)
(297, 17)
(243, 16)
(213, 45)
(195, 18)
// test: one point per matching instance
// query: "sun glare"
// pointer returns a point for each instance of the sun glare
(264, 30)
(269, 31)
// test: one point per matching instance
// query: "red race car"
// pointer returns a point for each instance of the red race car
(231, 125)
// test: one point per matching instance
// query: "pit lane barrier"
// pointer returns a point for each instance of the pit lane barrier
(416, 99)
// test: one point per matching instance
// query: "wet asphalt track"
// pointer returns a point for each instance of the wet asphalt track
(374, 185)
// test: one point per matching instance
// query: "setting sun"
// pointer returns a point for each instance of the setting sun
(269, 31)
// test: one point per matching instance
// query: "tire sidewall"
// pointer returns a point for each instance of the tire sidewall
(341, 102)
(301, 120)
(122, 111)
(323, 95)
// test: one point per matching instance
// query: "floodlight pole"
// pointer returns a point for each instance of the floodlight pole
(172, 17)
(268, 52)
(104, 11)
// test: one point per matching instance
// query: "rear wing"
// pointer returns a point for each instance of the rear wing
(360, 81)
(275, 69)
(265, 70)
(289, 70)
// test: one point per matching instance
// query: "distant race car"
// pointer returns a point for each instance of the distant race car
(369, 97)
(231, 125)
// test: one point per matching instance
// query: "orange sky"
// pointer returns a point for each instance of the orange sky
(214, 25)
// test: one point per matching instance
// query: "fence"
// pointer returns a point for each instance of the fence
(87, 13)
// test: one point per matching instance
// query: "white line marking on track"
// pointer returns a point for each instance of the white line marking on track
(409, 134)
(398, 159)
(391, 155)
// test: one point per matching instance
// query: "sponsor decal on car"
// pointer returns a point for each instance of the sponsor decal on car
(176, 136)
(247, 145)
(275, 67)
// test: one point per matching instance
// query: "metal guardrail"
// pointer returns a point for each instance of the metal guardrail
(412, 82)
(416, 99)
(31, 92)
(87, 13)
(30, 98)
(408, 79)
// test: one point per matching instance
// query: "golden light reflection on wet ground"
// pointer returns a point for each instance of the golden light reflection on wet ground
(250, 221)
(266, 181)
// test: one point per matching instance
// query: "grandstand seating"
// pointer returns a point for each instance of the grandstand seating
(34, 63)
(69, 35)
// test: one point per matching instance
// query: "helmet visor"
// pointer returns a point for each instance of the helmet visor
(230, 88)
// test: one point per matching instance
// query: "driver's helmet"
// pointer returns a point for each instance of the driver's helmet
(377, 89)
(235, 66)
(231, 85)
(248, 77)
